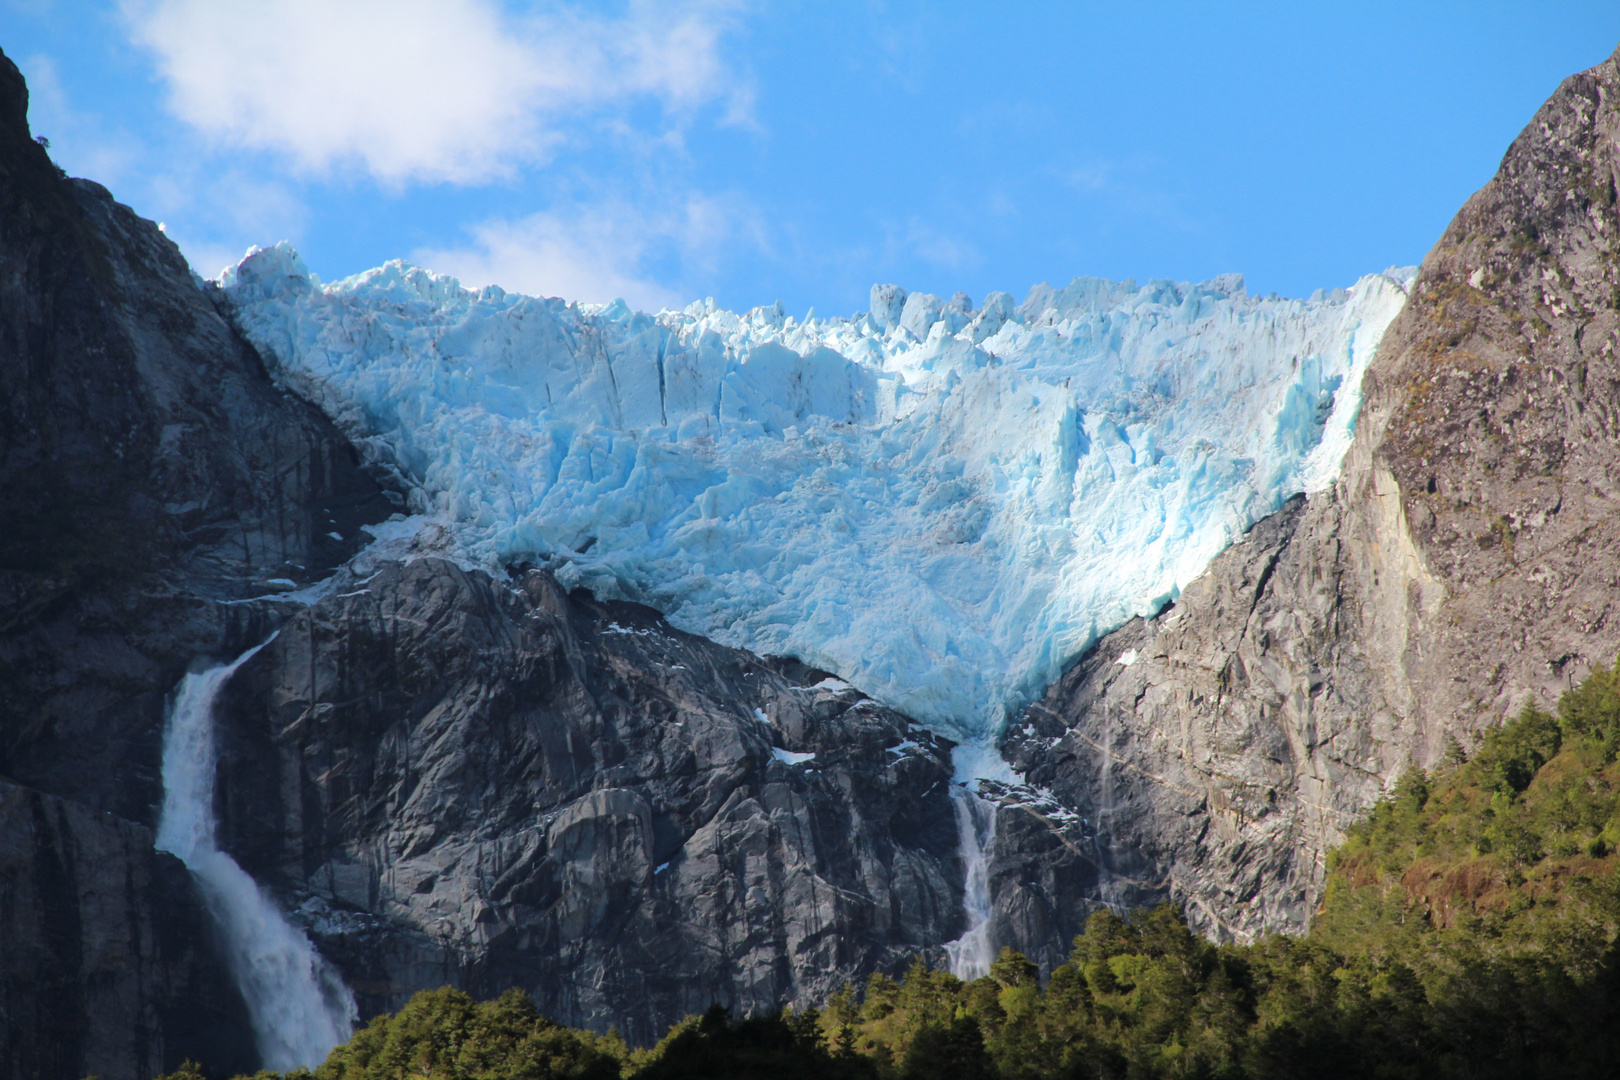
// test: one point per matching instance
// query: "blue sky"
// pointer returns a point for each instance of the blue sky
(796, 150)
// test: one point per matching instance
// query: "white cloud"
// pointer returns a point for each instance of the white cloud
(599, 251)
(938, 248)
(425, 90)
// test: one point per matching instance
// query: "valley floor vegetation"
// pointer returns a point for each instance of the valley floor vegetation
(1468, 929)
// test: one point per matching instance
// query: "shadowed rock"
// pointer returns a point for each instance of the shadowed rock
(496, 784)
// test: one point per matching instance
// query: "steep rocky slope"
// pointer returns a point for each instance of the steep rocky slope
(1465, 562)
(102, 969)
(495, 784)
(148, 466)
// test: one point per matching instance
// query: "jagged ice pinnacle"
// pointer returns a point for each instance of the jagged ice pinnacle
(941, 504)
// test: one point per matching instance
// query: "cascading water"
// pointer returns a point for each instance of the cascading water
(1108, 888)
(299, 1006)
(971, 954)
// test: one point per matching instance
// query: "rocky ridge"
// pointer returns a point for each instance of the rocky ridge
(151, 475)
(497, 783)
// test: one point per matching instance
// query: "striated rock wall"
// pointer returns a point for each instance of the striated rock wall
(148, 467)
(496, 783)
(1467, 561)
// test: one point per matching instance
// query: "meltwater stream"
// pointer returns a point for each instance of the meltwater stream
(299, 1006)
(970, 955)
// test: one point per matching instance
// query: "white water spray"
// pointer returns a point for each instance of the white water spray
(971, 954)
(299, 1006)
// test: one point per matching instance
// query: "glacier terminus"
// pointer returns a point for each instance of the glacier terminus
(941, 504)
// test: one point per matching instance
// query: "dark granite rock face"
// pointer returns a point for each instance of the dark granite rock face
(495, 784)
(1465, 563)
(148, 467)
(101, 968)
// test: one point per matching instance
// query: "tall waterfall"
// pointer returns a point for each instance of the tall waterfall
(299, 1006)
(970, 955)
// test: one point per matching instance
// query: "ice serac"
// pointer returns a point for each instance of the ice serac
(941, 504)
(1463, 565)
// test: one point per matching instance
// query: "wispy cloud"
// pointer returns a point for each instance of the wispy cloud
(458, 91)
(1135, 186)
(941, 249)
(602, 250)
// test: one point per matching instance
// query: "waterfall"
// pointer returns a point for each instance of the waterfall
(299, 1006)
(1109, 892)
(970, 955)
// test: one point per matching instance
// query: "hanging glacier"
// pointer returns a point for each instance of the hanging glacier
(939, 503)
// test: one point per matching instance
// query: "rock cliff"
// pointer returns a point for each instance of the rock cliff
(494, 783)
(148, 468)
(102, 970)
(150, 473)
(1466, 562)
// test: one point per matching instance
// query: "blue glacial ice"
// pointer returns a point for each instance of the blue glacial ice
(939, 503)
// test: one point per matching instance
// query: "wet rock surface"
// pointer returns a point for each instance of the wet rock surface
(1464, 564)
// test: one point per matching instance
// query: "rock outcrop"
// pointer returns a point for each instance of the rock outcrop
(150, 474)
(494, 783)
(1466, 562)
(102, 970)
(148, 468)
